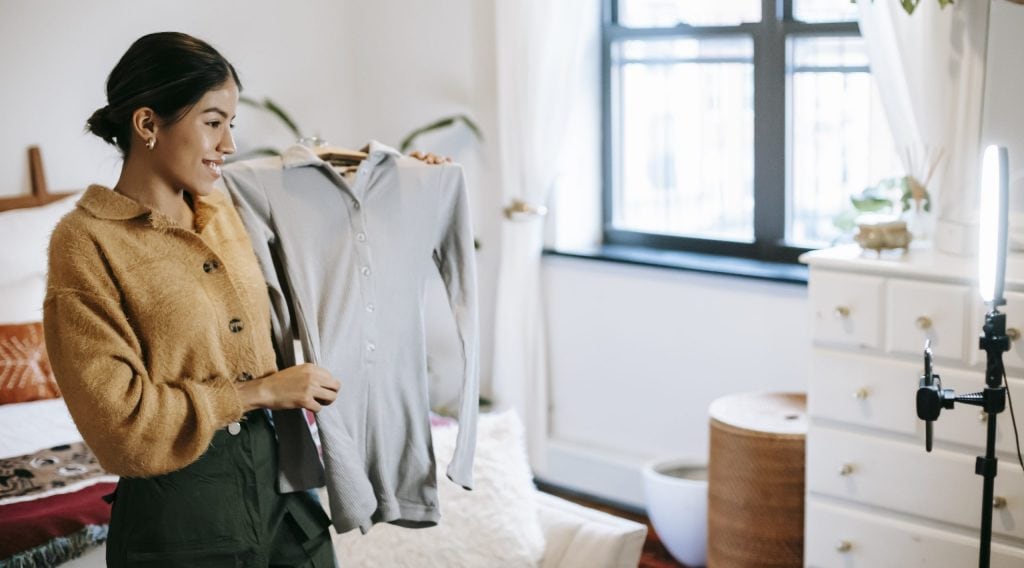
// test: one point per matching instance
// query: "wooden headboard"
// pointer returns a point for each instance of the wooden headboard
(40, 194)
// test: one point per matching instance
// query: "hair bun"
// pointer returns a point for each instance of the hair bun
(101, 125)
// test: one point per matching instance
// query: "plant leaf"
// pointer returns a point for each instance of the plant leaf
(437, 125)
(280, 113)
(274, 109)
(472, 126)
(845, 221)
(869, 204)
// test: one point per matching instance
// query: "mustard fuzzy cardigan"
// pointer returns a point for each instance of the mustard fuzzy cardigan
(148, 326)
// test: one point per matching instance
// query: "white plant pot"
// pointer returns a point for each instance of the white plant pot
(676, 495)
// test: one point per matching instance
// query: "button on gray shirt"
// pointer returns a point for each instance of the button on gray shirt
(348, 264)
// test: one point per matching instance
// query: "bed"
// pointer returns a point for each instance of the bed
(51, 486)
(52, 510)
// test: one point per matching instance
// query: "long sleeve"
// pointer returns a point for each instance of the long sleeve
(136, 424)
(455, 258)
(300, 466)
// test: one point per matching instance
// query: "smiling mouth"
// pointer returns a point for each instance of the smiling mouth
(213, 166)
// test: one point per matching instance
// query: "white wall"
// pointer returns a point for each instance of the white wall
(57, 56)
(637, 354)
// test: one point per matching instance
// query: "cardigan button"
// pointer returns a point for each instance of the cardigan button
(234, 428)
(235, 325)
(210, 266)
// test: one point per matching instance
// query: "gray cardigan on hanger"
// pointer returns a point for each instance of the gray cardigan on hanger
(346, 266)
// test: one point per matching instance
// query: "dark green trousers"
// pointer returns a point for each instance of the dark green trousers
(221, 511)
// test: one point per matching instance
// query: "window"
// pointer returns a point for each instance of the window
(736, 127)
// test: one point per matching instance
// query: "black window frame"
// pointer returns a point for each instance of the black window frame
(771, 116)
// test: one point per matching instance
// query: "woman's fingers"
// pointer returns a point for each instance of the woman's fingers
(331, 383)
(429, 158)
(325, 396)
(302, 386)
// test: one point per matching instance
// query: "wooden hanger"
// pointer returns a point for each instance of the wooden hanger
(343, 160)
(339, 156)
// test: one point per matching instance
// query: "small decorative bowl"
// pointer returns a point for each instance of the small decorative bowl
(882, 233)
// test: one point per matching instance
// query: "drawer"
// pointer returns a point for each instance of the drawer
(846, 308)
(879, 393)
(860, 389)
(1014, 310)
(902, 477)
(845, 538)
(917, 311)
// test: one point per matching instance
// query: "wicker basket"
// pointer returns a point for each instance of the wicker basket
(756, 481)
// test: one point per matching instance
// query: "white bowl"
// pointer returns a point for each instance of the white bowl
(676, 495)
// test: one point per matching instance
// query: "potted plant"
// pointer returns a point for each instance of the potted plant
(911, 5)
(269, 106)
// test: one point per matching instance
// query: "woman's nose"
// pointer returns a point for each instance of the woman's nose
(227, 143)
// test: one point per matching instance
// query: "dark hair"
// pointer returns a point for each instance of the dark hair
(168, 72)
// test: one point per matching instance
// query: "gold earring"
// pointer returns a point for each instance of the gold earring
(151, 142)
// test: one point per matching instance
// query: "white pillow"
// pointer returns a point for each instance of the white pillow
(25, 236)
(494, 526)
(22, 301)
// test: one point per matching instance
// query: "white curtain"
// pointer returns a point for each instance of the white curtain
(539, 45)
(930, 70)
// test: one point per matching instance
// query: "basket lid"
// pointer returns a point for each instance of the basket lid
(771, 412)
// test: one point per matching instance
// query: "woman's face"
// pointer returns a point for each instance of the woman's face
(188, 154)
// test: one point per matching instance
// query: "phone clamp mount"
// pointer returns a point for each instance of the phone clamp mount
(932, 398)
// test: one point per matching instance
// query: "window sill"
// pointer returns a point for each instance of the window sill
(691, 261)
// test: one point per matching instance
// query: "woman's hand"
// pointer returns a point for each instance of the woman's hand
(429, 158)
(302, 386)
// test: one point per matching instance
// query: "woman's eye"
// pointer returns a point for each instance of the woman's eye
(214, 124)
(231, 126)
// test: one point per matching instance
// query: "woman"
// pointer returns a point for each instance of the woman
(157, 328)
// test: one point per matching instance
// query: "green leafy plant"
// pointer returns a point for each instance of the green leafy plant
(274, 109)
(891, 195)
(439, 124)
(911, 5)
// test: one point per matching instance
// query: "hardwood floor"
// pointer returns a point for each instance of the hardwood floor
(654, 554)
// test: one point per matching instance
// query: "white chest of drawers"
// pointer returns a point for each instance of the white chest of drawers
(875, 498)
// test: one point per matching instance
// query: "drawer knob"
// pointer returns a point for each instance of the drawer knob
(844, 546)
(846, 470)
(861, 394)
(842, 312)
(923, 322)
(1013, 333)
(999, 503)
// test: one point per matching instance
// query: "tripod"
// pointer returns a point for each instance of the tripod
(932, 398)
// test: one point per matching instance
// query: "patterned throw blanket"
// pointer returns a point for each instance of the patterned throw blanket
(60, 469)
(51, 506)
